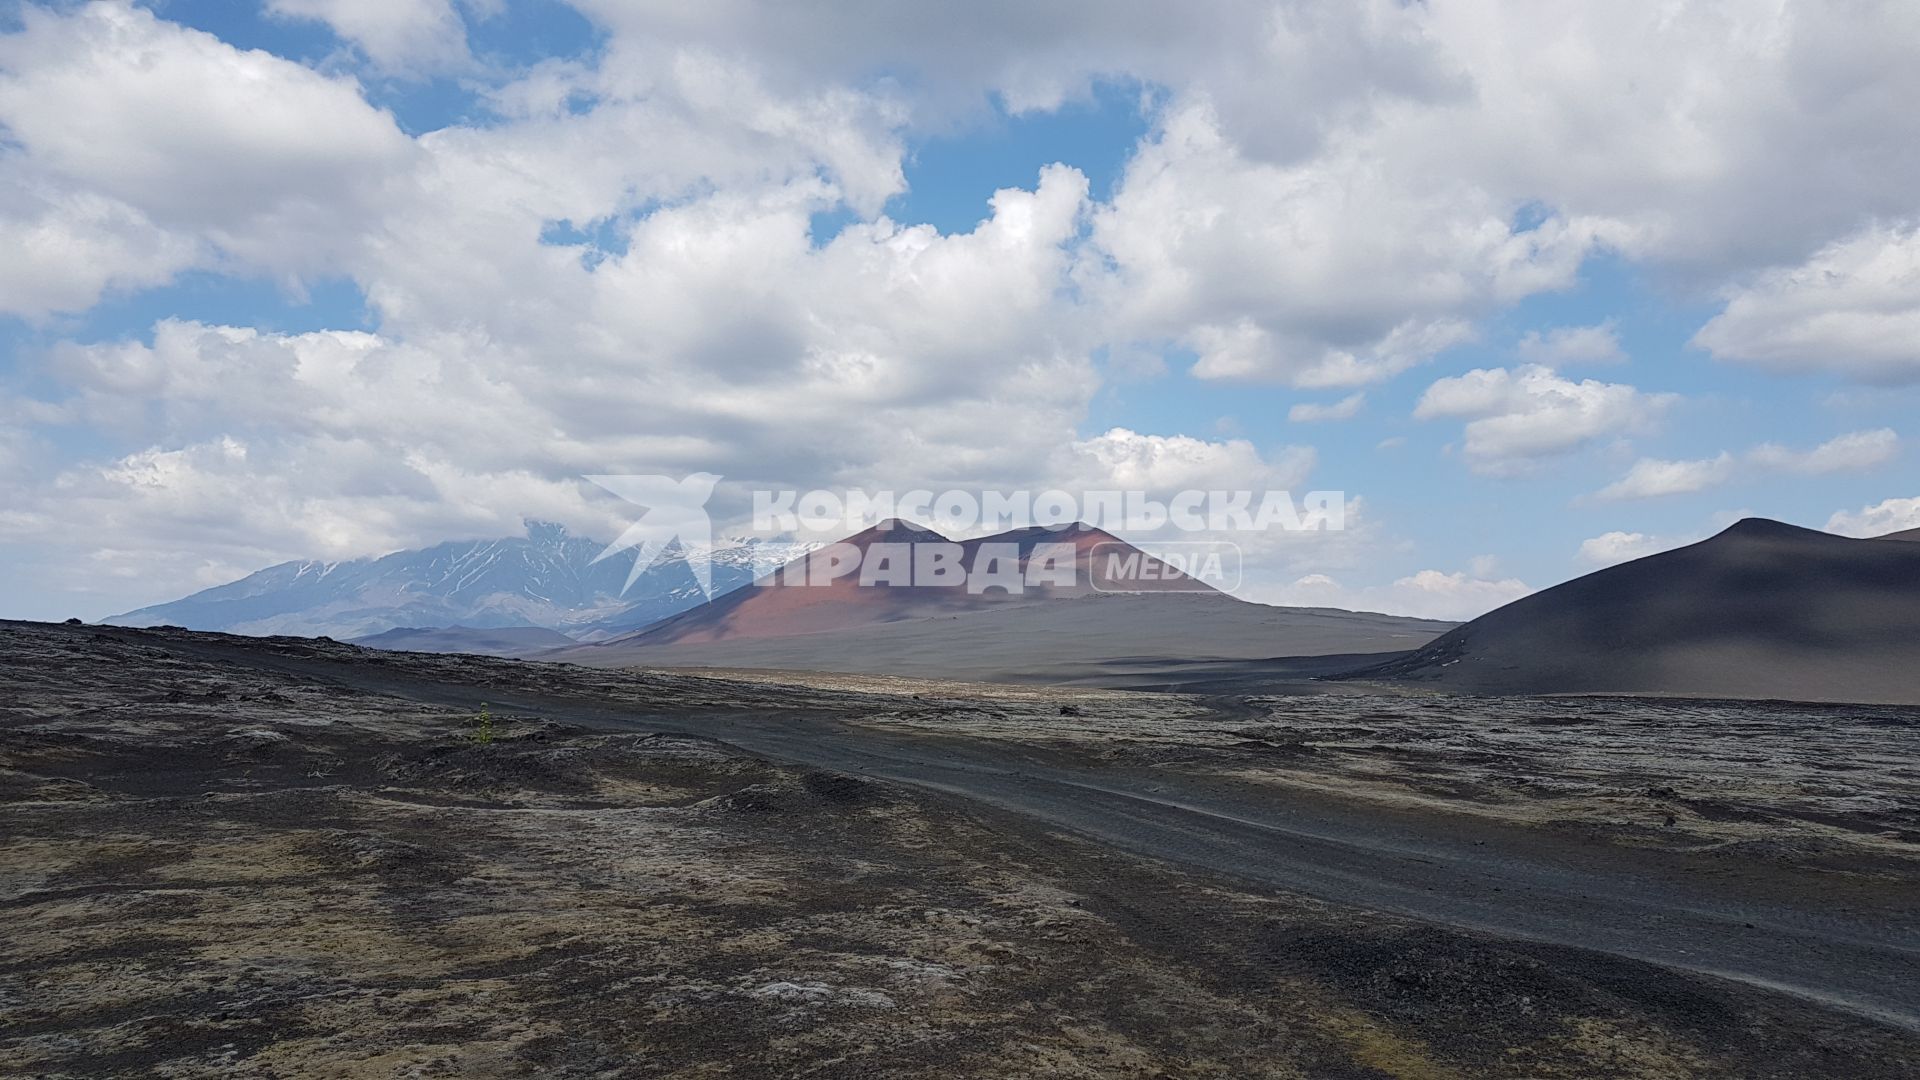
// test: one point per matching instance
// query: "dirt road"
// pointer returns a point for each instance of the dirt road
(1853, 944)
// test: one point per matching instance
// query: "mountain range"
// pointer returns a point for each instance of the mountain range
(1764, 609)
(546, 578)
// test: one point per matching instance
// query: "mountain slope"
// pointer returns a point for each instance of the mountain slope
(1160, 631)
(547, 578)
(1763, 610)
(1188, 641)
(804, 598)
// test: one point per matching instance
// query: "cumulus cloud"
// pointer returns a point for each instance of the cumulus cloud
(1852, 452)
(617, 269)
(1434, 161)
(1618, 547)
(1346, 408)
(1651, 478)
(134, 137)
(1703, 164)
(1515, 416)
(1129, 461)
(1564, 345)
(1321, 274)
(875, 360)
(1879, 519)
(1036, 57)
(400, 37)
(66, 248)
(1852, 308)
(1358, 231)
(1856, 450)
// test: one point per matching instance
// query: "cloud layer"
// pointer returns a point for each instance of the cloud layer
(674, 251)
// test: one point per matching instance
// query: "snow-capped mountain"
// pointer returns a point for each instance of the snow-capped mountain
(546, 578)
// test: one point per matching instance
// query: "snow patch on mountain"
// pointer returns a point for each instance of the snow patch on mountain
(546, 578)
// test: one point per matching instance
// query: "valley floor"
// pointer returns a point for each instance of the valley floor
(240, 857)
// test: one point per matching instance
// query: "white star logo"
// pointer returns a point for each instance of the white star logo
(676, 510)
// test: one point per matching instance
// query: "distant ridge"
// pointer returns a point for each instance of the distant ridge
(514, 641)
(1762, 610)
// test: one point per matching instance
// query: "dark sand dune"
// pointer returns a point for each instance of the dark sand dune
(1763, 610)
(1187, 641)
(483, 641)
(804, 597)
(1906, 534)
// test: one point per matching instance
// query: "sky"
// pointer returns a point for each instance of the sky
(1539, 287)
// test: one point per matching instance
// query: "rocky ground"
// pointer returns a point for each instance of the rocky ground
(1829, 787)
(216, 869)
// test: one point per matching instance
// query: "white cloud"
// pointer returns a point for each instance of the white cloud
(1618, 547)
(1036, 57)
(167, 148)
(1427, 594)
(1329, 195)
(1290, 243)
(1852, 308)
(1515, 416)
(1129, 461)
(156, 147)
(875, 360)
(1651, 478)
(1853, 451)
(66, 248)
(1879, 519)
(1432, 163)
(401, 37)
(1309, 412)
(1564, 345)
(1325, 273)
(1250, 351)
(1703, 163)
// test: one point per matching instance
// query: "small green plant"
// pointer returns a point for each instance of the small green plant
(483, 726)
